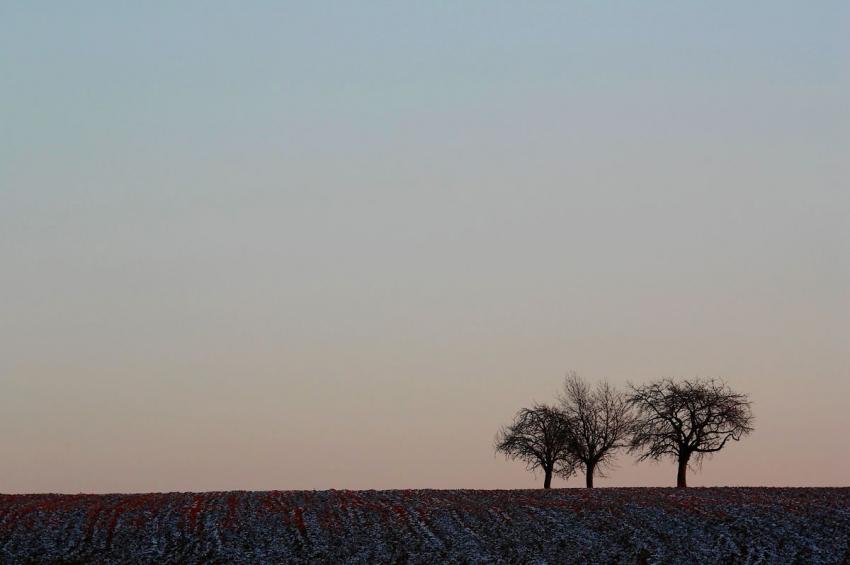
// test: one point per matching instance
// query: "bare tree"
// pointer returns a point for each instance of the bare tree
(600, 423)
(538, 436)
(687, 420)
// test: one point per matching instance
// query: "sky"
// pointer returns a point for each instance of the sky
(279, 245)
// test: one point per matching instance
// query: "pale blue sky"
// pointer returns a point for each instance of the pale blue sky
(235, 235)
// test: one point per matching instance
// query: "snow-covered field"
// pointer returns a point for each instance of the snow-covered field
(644, 525)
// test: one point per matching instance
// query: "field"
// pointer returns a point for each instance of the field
(637, 525)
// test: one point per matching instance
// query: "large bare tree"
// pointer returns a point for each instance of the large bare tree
(687, 420)
(538, 436)
(599, 423)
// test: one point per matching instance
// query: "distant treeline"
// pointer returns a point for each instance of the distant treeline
(681, 419)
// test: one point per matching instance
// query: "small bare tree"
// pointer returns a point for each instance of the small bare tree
(538, 436)
(600, 423)
(687, 420)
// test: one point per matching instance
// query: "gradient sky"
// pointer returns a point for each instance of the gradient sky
(272, 245)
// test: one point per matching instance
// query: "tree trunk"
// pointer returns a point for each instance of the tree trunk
(547, 479)
(681, 481)
(588, 477)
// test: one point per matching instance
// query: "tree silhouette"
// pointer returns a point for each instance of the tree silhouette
(687, 420)
(539, 437)
(600, 423)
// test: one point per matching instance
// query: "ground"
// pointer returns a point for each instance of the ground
(635, 525)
